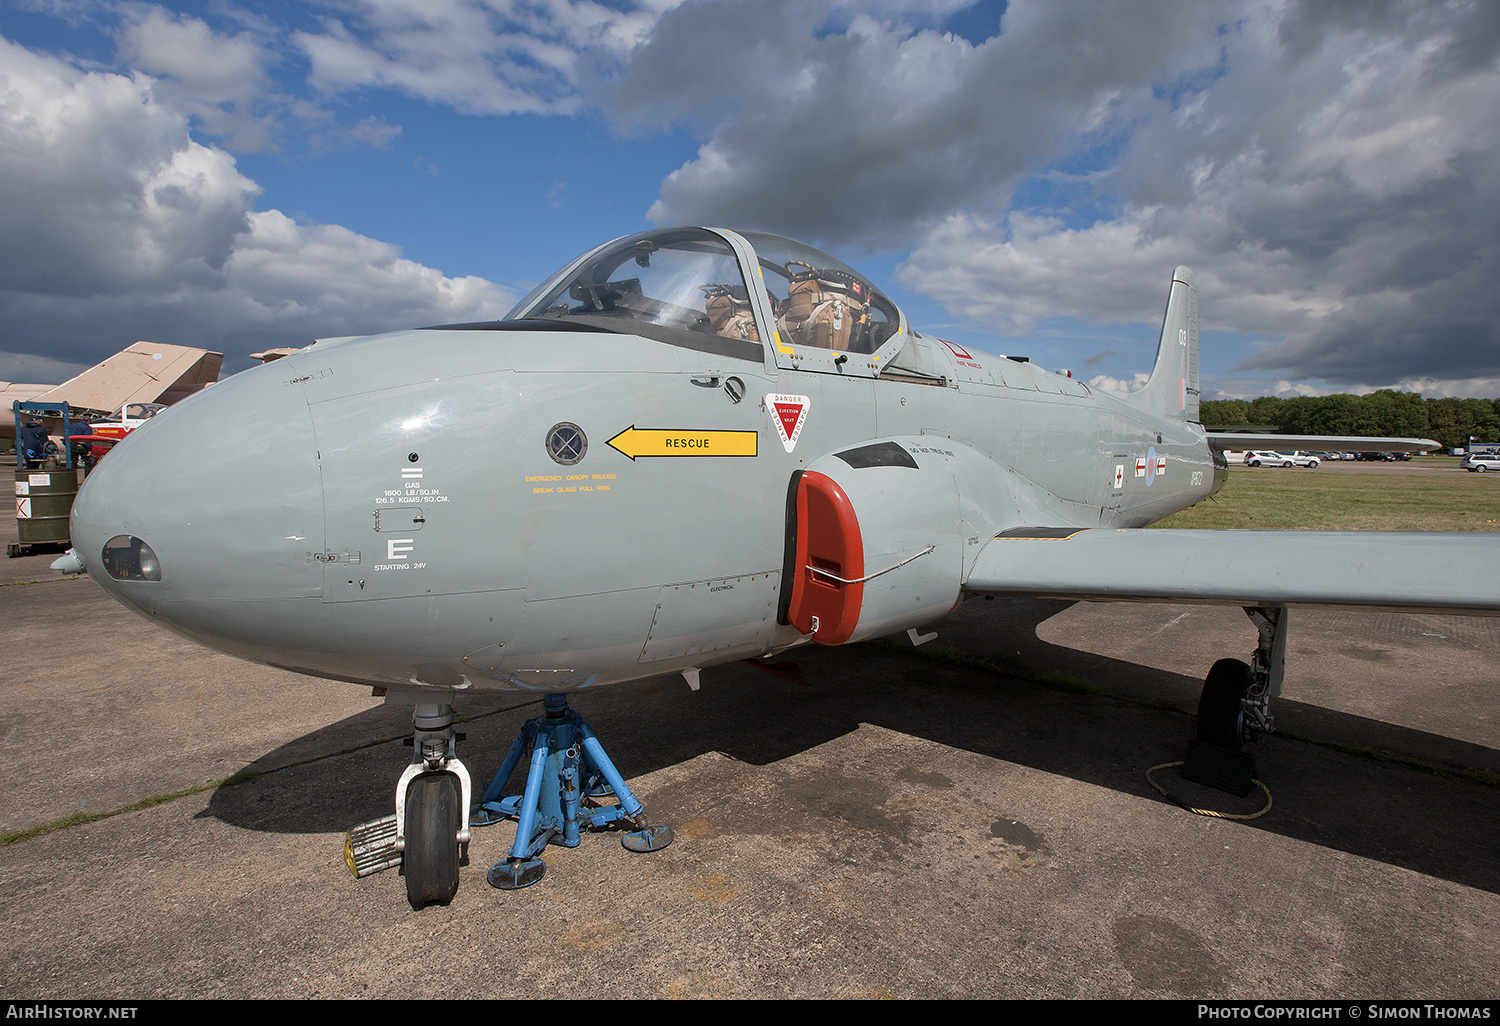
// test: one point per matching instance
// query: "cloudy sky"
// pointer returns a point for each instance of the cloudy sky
(1020, 176)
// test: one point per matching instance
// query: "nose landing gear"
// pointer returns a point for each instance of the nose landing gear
(428, 837)
(429, 834)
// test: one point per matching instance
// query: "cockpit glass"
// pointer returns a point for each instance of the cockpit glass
(678, 285)
(819, 300)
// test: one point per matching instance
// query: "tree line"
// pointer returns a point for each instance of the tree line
(1383, 413)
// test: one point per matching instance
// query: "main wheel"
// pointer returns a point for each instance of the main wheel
(432, 819)
(1221, 712)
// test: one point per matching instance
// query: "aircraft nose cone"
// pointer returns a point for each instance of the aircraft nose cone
(207, 517)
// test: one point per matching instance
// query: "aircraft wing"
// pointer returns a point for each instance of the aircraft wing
(1456, 572)
(1323, 443)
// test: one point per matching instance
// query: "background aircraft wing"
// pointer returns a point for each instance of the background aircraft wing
(1323, 443)
(1410, 570)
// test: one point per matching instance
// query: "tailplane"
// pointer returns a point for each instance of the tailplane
(1172, 389)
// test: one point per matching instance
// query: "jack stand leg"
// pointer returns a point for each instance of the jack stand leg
(566, 759)
(646, 837)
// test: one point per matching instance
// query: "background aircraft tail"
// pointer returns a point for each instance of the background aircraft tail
(1172, 389)
(144, 372)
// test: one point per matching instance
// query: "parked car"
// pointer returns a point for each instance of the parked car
(1280, 459)
(1479, 462)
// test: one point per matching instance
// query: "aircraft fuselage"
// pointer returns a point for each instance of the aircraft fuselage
(396, 518)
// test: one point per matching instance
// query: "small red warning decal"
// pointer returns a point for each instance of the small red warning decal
(790, 413)
(965, 358)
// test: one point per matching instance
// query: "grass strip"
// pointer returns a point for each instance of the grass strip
(45, 580)
(243, 776)
(1299, 499)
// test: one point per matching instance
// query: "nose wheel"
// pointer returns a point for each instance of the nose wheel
(433, 816)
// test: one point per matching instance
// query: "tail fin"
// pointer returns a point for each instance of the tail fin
(1172, 389)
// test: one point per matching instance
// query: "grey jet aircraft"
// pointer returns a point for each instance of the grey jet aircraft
(688, 446)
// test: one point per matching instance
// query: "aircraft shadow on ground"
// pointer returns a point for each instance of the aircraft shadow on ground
(1438, 825)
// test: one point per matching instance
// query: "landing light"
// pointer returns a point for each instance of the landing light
(127, 558)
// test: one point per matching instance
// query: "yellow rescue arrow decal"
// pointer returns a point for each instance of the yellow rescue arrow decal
(634, 442)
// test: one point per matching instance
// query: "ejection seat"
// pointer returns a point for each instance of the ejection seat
(824, 308)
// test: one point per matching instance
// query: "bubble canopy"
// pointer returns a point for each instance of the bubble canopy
(689, 286)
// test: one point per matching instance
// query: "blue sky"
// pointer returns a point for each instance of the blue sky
(1022, 177)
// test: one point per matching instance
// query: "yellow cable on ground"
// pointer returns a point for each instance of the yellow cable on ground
(1207, 812)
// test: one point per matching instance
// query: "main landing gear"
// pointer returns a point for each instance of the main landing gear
(568, 770)
(429, 834)
(1234, 708)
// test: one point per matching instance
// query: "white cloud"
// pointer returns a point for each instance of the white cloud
(1329, 171)
(105, 192)
(220, 80)
(212, 68)
(491, 57)
(289, 276)
(1105, 383)
(1108, 272)
(1345, 199)
(119, 226)
(869, 134)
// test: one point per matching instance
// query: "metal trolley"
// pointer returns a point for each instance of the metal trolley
(46, 482)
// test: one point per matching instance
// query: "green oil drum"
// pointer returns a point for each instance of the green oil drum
(44, 499)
